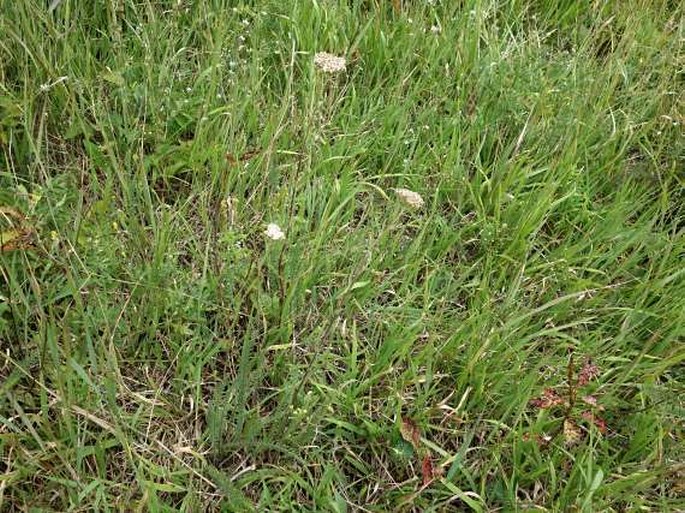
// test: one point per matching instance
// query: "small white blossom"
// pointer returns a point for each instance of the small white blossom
(329, 63)
(410, 198)
(48, 85)
(274, 232)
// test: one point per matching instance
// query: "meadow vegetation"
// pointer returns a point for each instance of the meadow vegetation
(447, 276)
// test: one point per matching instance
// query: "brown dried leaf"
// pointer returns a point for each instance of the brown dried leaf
(471, 104)
(18, 235)
(248, 155)
(9, 212)
(548, 399)
(9, 236)
(427, 470)
(410, 431)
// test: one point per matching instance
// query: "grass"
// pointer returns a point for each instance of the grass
(159, 353)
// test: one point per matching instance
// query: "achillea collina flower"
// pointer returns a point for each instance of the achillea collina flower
(274, 232)
(329, 63)
(410, 198)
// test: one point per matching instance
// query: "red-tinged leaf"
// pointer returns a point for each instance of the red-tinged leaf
(548, 399)
(598, 422)
(601, 424)
(410, 431)
(427, 470)
(553, 397)
(589, 372)
(590, 399)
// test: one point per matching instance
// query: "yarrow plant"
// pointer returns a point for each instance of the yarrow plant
(274, 232)
(410, 198)
(329, 63)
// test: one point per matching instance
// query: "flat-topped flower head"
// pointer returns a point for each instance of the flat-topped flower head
(410, 198)
(274, 232)
(329, 63)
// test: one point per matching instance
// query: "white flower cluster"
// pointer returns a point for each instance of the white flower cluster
(410, 198)
(329, 63)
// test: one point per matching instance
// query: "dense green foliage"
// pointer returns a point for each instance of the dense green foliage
(159, 353)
